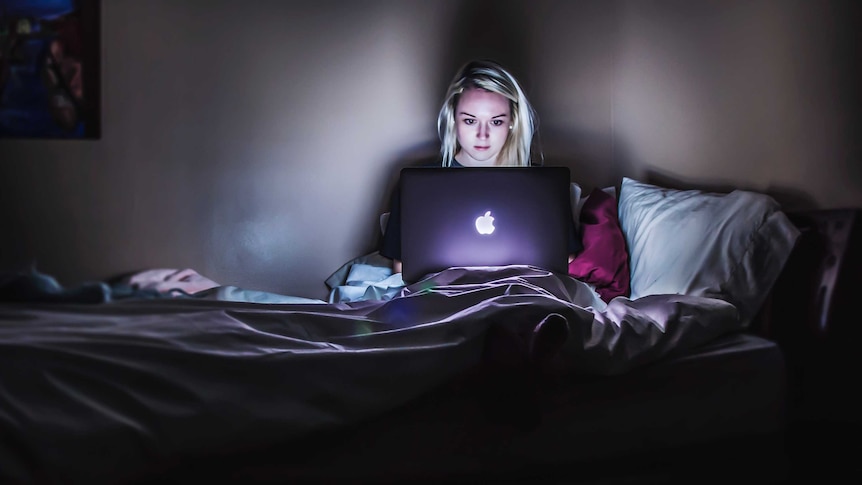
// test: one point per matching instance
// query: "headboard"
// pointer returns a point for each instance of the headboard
(809, 312)
(813, 289)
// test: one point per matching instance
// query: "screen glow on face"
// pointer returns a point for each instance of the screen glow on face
(482, 119)
(485, 223)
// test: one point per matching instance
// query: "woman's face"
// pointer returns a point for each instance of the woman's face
(482, 120)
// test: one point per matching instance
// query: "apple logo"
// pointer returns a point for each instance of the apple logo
(485, 223)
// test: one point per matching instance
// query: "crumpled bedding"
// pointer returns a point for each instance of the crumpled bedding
(97, 393)
(368, 277)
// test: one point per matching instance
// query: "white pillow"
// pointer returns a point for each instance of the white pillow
(690, 242)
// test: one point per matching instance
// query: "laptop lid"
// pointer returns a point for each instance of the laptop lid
(484, 216)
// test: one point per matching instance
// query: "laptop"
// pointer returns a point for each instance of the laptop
(484, 216)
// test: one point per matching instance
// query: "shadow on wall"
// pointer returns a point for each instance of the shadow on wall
(489, 29)
(790, 199)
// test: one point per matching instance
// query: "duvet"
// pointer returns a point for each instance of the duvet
(101, 392)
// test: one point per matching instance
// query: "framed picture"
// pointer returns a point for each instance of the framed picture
(49, 69)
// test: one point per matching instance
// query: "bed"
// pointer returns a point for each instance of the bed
(471, 374)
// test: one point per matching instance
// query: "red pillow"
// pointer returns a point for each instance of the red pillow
(604, 261)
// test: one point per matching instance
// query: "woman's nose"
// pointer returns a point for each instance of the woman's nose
(483, 130)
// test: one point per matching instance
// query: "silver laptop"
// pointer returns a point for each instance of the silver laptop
(492, 216)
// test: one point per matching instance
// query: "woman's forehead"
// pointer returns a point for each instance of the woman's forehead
(477, 101)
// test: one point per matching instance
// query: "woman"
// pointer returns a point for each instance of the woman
(485, 121)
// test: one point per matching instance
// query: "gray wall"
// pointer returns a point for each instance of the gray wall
(753, 94)
(256, 141)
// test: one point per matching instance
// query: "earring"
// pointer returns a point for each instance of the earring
(510, 126)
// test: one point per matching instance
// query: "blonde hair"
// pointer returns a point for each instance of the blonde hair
(489, 76)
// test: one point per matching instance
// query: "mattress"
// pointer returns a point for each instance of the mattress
(731, 390)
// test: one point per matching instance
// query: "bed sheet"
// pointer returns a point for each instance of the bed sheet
(98, 392)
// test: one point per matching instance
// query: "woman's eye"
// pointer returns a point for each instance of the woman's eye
(469, 121)
(497, 122)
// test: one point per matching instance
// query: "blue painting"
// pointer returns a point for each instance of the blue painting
(49, 69)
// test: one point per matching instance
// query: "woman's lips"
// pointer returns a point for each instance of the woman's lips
(481, 148)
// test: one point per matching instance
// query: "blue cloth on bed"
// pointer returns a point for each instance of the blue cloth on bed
(368, 277)
(34, 286)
